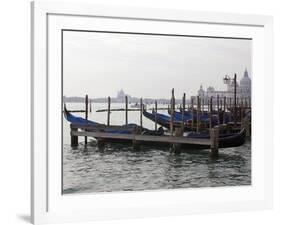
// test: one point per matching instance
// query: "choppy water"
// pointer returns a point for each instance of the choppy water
(117, 167)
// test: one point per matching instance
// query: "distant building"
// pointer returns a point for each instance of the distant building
(243, 91)
(121, 96)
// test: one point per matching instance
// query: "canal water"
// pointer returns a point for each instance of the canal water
(118, 167)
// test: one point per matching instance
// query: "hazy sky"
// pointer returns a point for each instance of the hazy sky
(100, 64)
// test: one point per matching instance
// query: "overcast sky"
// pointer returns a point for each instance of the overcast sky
(100, 64)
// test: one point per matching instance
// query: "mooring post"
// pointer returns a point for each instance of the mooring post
(86, 115)
(224, 108)
(246, 125)
(192, 110)
(136, 143)
(218, 109)
(90, 105)
(246, 103)
(198, 116)
(108, 110)
(235, 101)
(172, 113)
(241, 110)
(183, 111)
(74, 138)
(141, 112)
(211, 112)
(155, 115)
(214, 137)
(126, 110)
(176, 147)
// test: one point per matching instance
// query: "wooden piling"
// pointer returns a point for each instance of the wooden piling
(218, 109)
(241, 110)
(218, 103)
(214, 136)
(86, 114)
(108, 110)
(126, 110)
(74, 139)
(172, 113)
(141, 112)
(155, 115)
(224, 108)
(136, 143)
(235, 107)
(183, 111)
(192, 110)
(246, 103)
(198, 115)
(90, 106)
(176, 147)
(247, 126)
(211, 112)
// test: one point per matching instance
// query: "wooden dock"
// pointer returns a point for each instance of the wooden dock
(137, 139)
(144, 138)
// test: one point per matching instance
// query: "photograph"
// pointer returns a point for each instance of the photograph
(153, 111)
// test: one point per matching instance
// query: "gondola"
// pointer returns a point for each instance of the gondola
(163, 120)
(204, 116)
(225, 140)
(122, 129)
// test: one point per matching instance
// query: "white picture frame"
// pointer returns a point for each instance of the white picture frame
(48, 205)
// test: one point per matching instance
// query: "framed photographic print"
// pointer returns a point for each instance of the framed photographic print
(145, 112)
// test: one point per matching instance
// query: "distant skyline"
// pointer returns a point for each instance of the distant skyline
(149, 66)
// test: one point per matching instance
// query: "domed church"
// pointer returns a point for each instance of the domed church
(243, 90)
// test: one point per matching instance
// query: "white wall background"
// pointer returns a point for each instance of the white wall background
(15, 104)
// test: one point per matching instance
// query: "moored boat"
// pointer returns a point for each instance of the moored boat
(225, 140)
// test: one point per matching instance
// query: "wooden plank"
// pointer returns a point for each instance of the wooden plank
(77, 111)
(129, 109)
(145, 138)
(96, 127)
